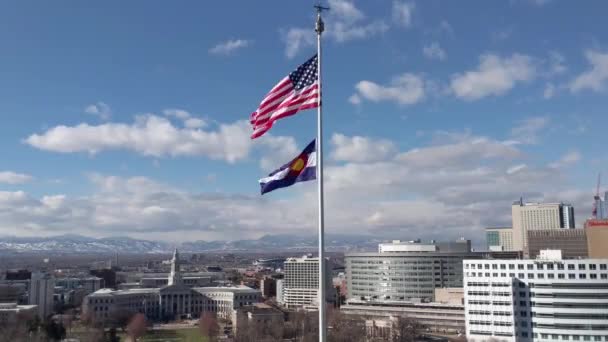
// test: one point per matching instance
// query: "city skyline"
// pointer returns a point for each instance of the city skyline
(125, 119)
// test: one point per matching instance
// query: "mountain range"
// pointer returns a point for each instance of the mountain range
(125, 245)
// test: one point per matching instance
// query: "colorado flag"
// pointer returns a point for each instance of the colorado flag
(300, 169)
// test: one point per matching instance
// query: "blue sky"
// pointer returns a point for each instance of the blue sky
(129, 118)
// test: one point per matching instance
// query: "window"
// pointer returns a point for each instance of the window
(604, 276)
(541, 276)
(602, 266)
(522, 303)
(576, 337)
(520, 267)
(551, 276)
(503, 274)
(530, 275)
(511, 274)
(571, 276)
(581, 266)
(570, 267)
(494, 266)
(565, 337)
(521, 275)
(539, 266)
(523, 313)
(512, 267)
(487, 274)
(524, 334)
(503, 266)
(529, 266)
(487, 266)
(553, 336)
(549, 266)
(560, 266)
(524, 324)
(586, 338)
(582, 276)
(592, 267)
(545, 336)
(593, 276)
(522, 294)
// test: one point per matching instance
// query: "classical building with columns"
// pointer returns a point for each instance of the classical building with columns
(174, 301)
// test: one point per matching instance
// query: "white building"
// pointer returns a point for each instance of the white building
(42, 287)
(300, 287)
(547, 299)
(11, 313)
(529, 216)
(169, 302)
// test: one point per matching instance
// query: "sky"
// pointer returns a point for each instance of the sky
(131, 118)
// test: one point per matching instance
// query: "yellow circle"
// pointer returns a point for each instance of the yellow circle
(298, 165)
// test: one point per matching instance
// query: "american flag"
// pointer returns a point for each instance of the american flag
(297, 91)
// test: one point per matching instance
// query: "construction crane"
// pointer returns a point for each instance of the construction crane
(597, 199)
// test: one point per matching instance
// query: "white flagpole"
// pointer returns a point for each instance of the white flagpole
(319, 28)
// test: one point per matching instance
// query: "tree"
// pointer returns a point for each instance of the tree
(136, 327)
(405, 329)
(209, 326)
(343, 328)
(54, 331)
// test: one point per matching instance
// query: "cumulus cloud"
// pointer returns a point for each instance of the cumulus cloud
(156, 136)
(495, 75)
(297, 38)
(99, 109)
(230, 46)
(571, 157)
(594, 79)
(405, 89)
(361, 149)
(402, 13)
(434, 51)
(527, 131)
(10, 177)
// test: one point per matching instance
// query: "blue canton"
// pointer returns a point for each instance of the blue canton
(305, 75)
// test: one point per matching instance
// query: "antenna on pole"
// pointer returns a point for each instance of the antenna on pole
(320, 25)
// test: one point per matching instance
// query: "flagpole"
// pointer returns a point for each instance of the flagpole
(319, 28)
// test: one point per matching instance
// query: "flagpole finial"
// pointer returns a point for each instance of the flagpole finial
(320, 25)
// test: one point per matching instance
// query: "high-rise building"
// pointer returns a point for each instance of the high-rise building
(412, 273)
(175, 278)
(601, 207)
(597, 238)
(532, 216)
(300, 286)
(572, 242)
(42, 286)
(547, 299)
(499, 239)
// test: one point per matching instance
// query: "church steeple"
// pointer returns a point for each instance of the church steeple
(175, 278)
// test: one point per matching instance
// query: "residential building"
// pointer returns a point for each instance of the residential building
(545, 299)
(171, 301)
(433, 316)
(412, 274)
(532, 216)
(41, 293)
(11, 313)
(572, 242)
(597, 238)
(300, 286)
(499, 239)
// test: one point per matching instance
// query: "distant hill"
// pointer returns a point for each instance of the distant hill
(124, 245)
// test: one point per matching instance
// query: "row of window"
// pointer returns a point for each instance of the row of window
(539, 275)
(539, 266)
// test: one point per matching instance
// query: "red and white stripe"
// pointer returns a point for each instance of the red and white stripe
(280, 102)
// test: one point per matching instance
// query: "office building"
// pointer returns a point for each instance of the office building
(545, 299)
(499, 239)
(411, 274)
(572, 242)
(601, 207)
(41, 292)
(597, 238)
(532, 216)
(173, 301)
(300, 286)
(11, 313)
(432, 316)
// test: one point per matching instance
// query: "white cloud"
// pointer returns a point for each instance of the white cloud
(149, 135)
(556, 63)
(596, 78)
(345, 22)
(402, 13)
(516, 168)
(571, 157)
(549, 91)
(361, 149)
(278, 151)
(99, 109)
(354, 99)
(495, 75)
(434, 51)
(187, 118)
(230, 46)
(194, 123)
(9, 177)
(296, 39)
(405, 89)
(527, 131)
(177, 113)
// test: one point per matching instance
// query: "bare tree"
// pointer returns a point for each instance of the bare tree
(405, 329)
(137, 327)
(209, 326)
(345, 328)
